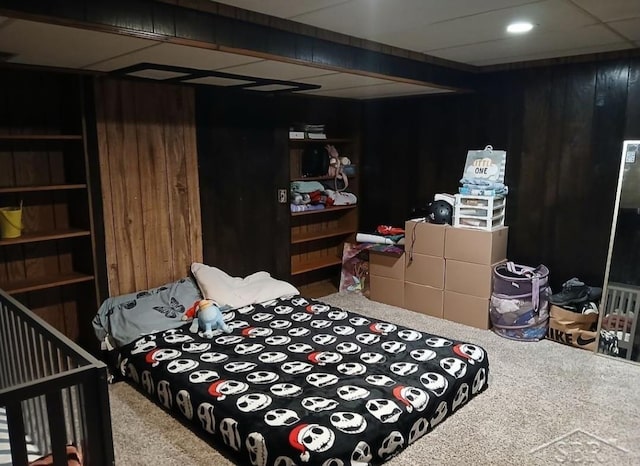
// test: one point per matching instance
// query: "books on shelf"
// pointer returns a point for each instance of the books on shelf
(307, 131)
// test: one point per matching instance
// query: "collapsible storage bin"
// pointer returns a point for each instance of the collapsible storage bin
(519, 307)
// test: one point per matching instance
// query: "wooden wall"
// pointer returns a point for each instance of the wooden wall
(562, 127)
(149, 175)
(41, 155)
(244, 159)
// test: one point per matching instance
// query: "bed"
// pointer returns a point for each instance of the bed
(298, 381)
(54, 403)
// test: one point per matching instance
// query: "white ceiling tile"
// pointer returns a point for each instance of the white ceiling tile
(611, 10)
(277, 70)
(282, 8)
(342, 80)
(175, 55)
(601, 48)
(216, 81)
(156, 74)
(374, 19)
(549, 16)
(376, 91)
(536, 44)
(60, 46)
(629, 28)
(270, 87)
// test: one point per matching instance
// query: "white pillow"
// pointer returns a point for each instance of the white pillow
(236, 292)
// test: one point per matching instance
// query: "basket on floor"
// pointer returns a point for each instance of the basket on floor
(520, 301)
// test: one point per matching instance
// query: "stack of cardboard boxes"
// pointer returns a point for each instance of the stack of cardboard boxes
(424, 268)
(386, 278)
(445, 272)
(470, 258)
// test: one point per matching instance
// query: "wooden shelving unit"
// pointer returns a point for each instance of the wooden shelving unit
(43, 283)
(54, 187)
(41, 137)
(50, 266)
(318, 236)
(45, 236)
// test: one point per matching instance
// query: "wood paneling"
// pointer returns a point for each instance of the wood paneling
(562, 128)
(239, 174)
(244, 159)
(148, 166)
(42, 154)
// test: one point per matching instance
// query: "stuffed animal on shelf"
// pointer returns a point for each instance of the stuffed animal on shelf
(207, 317)
(336, 164)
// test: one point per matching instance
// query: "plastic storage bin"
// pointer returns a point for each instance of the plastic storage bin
(479, 212)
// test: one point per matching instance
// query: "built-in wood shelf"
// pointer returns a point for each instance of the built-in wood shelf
(42, 283)
(327, 140)
(322, 211)
(53, 187)
(45, 236)
(304, 267)
(318, 178)
(305, 237)
(40, 137)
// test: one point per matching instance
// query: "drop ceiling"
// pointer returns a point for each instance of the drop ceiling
(470, 32)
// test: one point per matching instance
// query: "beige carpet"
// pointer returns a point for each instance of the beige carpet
(546, 404)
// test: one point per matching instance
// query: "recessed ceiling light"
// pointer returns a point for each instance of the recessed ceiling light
(520, 27)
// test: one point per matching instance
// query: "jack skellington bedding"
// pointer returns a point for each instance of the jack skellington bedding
(301, 382)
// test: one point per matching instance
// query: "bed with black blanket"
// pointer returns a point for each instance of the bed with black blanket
(301, 382)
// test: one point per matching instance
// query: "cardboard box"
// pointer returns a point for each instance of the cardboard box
(428, 238)
(469, 278)
(423, 299)
(386, 265)
(476, 246)
(466, 309)
(425, 270)
(386, 290)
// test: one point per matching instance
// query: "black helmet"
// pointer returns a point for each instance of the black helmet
(440, 212)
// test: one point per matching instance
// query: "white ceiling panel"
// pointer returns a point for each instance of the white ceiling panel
(376, 91)
(270, 87)
(216, 81)
(51, 45)
(431, 26)
(176, 55)
(629, 28)
(550, 15)
(342, 80)
(375, 19)
(156, 74)
(283, 8)
(537, 45)
(276, 70)
(611, 10)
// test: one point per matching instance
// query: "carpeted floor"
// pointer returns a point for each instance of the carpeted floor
(546, 404)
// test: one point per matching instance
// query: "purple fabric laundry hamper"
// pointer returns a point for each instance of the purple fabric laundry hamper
(520, 301)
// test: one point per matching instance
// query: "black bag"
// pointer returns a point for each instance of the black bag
(315, 161)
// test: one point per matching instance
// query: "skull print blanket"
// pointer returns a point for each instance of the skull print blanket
(300, 382)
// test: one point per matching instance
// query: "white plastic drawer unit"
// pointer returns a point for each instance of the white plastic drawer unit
(479, 212)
